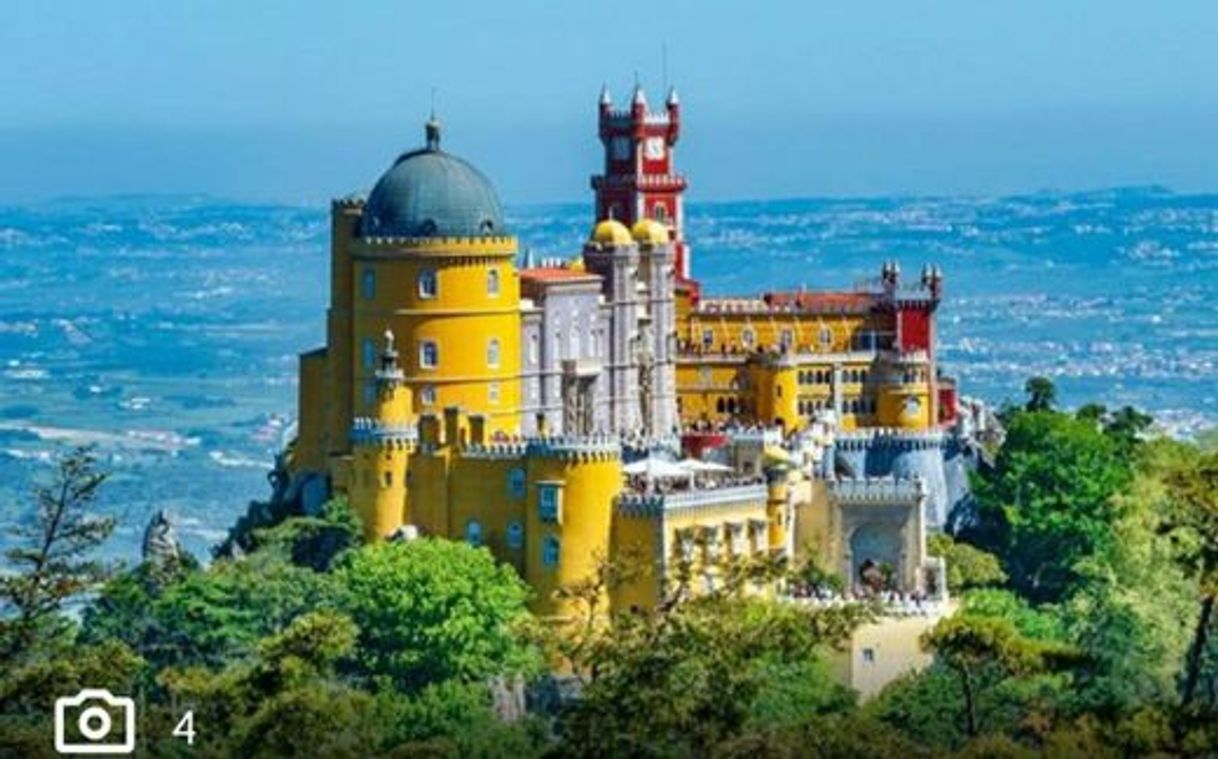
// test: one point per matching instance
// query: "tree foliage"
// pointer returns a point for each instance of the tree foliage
(431, 610)
(1047, 502)
(968, 567)
(52, 562)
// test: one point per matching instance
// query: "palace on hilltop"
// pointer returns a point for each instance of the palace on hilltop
(562, 411)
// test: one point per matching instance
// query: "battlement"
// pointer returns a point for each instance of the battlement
(510, 449)
(354, 200)
(644, 181)
(877, 490)
(584, 448)
(442, 244)
(367, 431)
(894, 437)
(654, 504)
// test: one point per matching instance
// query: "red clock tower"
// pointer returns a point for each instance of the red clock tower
(639, 181)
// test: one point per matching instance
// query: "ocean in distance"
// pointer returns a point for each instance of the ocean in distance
(165, 329)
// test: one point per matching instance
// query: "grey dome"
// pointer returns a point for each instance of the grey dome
(430, 193)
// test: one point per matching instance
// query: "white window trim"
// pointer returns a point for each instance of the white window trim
(434, 277)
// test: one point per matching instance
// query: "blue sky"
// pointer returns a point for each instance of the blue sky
(299, 101)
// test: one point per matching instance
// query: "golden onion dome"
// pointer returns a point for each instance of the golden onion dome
(612, 231)
(576, 264)
(650, 231)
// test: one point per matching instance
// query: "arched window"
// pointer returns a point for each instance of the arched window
(429, 354)
(473, 532)
(492, 393)
(428, 285)
(748, 337)
(515, 536)
(534, 350)
(492, 353)
(659, 212)
(549, 551)
(731, 405)
(367, 284)
(492, 283)
(516, 482)
(721, 406)
(427, 396)
(826, 336)
(368, 351)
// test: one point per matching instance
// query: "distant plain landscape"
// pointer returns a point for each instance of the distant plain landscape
(165, 329)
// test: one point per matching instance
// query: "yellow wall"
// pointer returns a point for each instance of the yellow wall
(479, 491)
(702, 383)
(462, 318)
(894, 648)
(310, 454)
(767, 327)
(639, 538)
(344, 222)
(590, 485)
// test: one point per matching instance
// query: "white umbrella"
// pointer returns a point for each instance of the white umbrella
(698, 465)
(655, 468)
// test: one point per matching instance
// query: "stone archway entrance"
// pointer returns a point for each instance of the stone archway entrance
(875, 545)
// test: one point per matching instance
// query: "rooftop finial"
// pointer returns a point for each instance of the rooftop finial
(606, 98)
(432, 127)
(639, 99)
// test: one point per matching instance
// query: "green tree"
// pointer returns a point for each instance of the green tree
(967, 566)
(209, 616)
(52, 562)
(698, 670)
(1046, 504)
(1131, 610)
(982, 651)
(1192, 523)
(313, 542)
(285, 700)
(1042, 395)
(431, 610)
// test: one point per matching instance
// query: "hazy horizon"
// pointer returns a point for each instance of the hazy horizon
(300, 102)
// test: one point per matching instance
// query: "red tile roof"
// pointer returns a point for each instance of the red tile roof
(554, 274)
(820, 301)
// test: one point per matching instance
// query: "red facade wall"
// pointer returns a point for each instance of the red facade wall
(914, 329)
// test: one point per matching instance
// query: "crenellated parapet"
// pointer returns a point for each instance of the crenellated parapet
(511, 449)
(576, 448)
(876, 490)
(353, 201)
(893, 438)
(366, 431)
(651, 505)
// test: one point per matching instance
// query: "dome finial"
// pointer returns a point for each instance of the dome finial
(606, 98)
(432, 127)
(432, 130)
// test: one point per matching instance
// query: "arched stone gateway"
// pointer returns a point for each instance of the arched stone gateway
(877, 545)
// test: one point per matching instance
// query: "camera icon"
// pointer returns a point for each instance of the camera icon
(92, 708)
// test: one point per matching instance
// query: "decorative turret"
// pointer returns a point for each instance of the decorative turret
(381, 442)
(639, 179)
(673, 106)
(932, 280)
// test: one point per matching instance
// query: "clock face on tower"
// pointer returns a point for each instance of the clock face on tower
(620, 148)
(654, 148)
